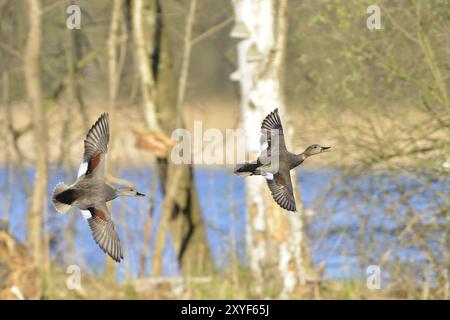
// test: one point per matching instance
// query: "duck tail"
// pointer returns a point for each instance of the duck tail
(60, 206)
(246, 169)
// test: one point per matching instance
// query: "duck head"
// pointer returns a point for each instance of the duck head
(129, 191)
(315, 149)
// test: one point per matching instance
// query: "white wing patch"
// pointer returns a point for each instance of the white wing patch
(82, 169)
(86, 214)
(268, 176)
(264, 145)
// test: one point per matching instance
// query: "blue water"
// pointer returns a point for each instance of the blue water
(334, 230)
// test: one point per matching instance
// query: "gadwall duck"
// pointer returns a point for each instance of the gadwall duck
(90, 192)
(278, 177)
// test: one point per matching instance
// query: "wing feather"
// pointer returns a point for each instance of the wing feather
(282, 192)
(96, 146)
(272, 135)
(104, 232)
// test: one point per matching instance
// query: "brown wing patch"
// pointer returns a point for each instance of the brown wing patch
(281, 188)
(96, 146)
(93, 163)
(281, 180)
(105, 233)
(98, 213)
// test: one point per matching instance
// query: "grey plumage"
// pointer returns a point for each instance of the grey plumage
(90, 192)
(276, 162)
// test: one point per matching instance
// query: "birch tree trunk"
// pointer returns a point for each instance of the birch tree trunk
(274, 237)
(39, 130)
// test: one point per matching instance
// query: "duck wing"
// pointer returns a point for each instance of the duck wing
(272, 136)
(96, 148)
(104, 231)
(281, 188)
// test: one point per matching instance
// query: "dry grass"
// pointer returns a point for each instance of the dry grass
(217, 286)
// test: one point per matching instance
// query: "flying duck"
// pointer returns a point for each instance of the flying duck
(90, 193)
(277, 173)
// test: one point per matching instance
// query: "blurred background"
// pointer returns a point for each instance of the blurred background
(380, 97)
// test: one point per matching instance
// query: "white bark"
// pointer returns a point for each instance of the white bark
(273, 234)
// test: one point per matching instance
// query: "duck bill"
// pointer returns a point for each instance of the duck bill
(140, 194)
(326, 149)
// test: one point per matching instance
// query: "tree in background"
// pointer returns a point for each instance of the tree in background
(381, 97)
(39, 193)
(385, 95)
(181, 214)
(275, 238)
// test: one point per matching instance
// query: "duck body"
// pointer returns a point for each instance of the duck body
(287, 161)
(80, 194)
(90, 192)
(276, 162)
